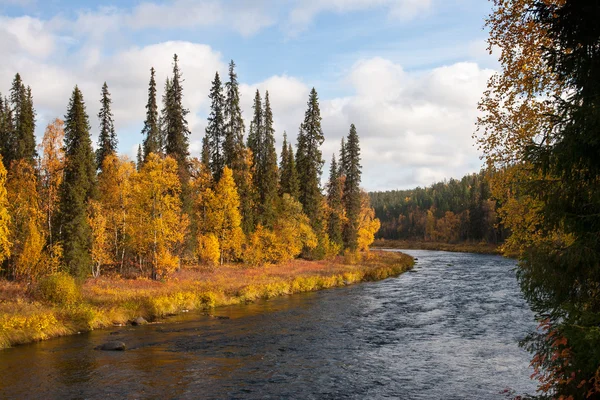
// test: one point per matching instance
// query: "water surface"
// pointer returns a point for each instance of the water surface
(447, 330)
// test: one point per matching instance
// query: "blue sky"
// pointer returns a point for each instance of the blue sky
(408, 73)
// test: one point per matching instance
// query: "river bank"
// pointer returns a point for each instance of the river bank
(467, 247)
(109, 301)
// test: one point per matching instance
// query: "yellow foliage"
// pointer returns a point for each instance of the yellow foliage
(221, 217)
(100, 247)
(59, 288)
(27, 222)
(158, 224)
(368, 225)
(208, 251)
(4, 216)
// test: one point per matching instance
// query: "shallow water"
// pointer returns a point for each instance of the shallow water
(446, 330)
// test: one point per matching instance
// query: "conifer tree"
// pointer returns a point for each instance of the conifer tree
(205, 155)
(256, 127)
(78, 187)
(352, 194)
(22, 135)
(176, 129)
(234, 123)
(6, 130)
(309, 162)
(266, 169)
(151, 131)
(215, 130)
(334, 202)
(288, 177)
(107, 139)
(243, 176)
(343, 158)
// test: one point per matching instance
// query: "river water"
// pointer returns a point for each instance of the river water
(446, 330)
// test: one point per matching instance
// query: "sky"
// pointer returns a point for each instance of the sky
(407, 73)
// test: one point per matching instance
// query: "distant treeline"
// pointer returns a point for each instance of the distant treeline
(449, 211)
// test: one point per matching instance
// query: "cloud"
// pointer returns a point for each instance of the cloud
(305, 11)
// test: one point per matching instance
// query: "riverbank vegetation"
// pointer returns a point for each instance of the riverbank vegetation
(539, 132)
(68, 213)
(453, 214)
(462, 247)
(60, 307)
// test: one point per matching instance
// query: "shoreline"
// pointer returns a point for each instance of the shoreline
(477, 248)
(110, 301)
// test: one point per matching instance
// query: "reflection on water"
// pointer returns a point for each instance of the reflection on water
(448, 330)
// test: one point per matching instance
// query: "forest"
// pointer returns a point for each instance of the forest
(65, 208)
(451, 211)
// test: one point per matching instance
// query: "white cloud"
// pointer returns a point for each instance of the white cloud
(25, 34)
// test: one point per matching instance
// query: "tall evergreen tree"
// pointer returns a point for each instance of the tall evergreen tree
(175, 122)
(78, 187)
(309, 162)
(6, 131)
(234, 123)
(334, 202)
(262, 143)
(151, 131)
(139, 158)
(288, 176)
(205, 155)
(107, 139)
(352, 196)
(22, 138)
(256, 128)
(215, 130)
(343, 158)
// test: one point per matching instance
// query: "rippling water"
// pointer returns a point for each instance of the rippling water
(447, 330)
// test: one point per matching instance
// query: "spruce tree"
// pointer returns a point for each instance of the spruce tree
(107, 139)
(22, 136)
(234, 123)
(283, 166)
(343, 158)
(205, 155)
(309, 162)
(256, 127)
(262, 143)
(6, 130)
(78, 187)
(151, 131)
(176, 129)
(352, 190)
(293, 185)
(215, 130)
(139, 158)
(334, 201)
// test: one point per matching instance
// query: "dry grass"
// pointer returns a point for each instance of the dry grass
(465, 247)
(113, 300)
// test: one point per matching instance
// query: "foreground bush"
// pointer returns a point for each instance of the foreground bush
(59, 288)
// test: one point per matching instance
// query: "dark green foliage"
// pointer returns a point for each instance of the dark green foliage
(403, 213)
(262, 143)
(174, 122)
(352, 189)
(288, 176)
(79, 185)
(19, 124)
(309, 162)
(334, 201)
(6, 131)
(107, 139)
(560, 278)
(215, 130)
(153, 141)
(205, 155)
(234, 123)
(343, 158)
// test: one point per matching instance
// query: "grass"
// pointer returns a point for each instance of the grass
(465, 247)
(111, 300)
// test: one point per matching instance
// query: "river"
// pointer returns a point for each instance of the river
(446, 330)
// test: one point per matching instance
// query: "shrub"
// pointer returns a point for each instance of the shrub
(59, 288)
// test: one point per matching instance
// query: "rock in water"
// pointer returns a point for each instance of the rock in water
(139, 321)
(112, 346)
